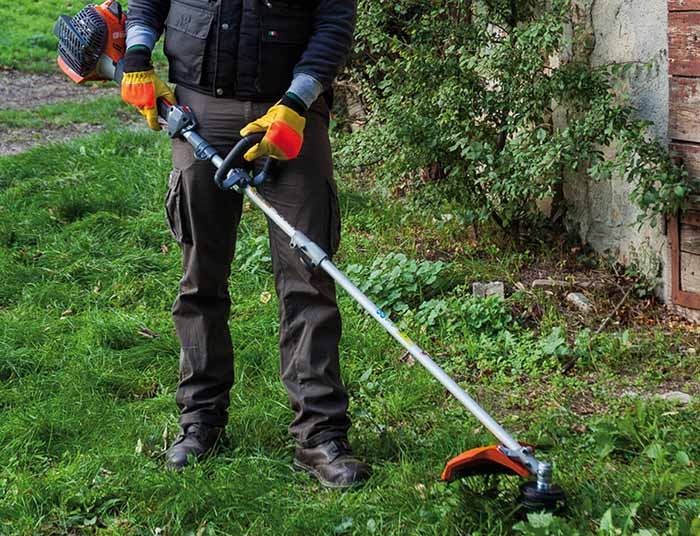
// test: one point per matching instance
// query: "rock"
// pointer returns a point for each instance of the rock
(481, 290)
(549, 283)
(580, 301)
(630, 394)
(676, 396)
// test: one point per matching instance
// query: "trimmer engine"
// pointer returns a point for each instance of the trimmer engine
(91, 44)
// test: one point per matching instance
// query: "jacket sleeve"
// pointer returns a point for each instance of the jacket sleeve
(145, 21)
(327, 50)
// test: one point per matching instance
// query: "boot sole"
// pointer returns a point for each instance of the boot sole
(326, 483)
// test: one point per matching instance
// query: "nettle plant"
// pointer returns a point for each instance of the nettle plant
(398, 283)
(462, 97)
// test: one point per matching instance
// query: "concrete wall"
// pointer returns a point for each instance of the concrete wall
(626, 31)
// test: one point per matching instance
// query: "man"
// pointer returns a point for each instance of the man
(247, 66)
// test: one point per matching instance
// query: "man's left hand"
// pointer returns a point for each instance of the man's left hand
(284, 136)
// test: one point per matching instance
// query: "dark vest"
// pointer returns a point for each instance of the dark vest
(237, 48)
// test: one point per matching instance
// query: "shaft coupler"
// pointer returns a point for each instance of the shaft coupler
(313, 252)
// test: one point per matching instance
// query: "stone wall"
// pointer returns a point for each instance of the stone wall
(625, 31)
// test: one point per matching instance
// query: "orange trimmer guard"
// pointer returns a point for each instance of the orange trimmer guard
(482, 461)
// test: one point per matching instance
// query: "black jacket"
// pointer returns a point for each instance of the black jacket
(249, 49)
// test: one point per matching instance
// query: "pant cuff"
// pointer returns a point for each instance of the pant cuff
(322, 437)
(191, 418)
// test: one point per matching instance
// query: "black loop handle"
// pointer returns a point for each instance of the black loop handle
(268, 169)
(235, 157)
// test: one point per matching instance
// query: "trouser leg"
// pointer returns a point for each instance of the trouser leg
(304, 192)
(204, 220)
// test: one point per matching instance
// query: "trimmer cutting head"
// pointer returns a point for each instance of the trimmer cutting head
(535, 496)
(482, 461)
(91, 43)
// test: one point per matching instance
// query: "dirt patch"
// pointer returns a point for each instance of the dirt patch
(21, 91)
(25, 91)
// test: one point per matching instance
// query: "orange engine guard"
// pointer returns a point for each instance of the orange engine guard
(482, 461)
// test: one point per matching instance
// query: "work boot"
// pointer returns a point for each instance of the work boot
(197, 440)
(332, 463)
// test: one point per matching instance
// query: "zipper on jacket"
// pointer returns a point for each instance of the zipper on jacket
(216, 53)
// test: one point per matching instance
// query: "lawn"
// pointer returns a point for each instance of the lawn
(88, 364)
(89, 370)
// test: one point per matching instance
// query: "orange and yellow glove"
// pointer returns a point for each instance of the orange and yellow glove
(284, 126)
(141, 87)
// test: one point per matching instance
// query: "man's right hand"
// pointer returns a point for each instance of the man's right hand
(141, 87)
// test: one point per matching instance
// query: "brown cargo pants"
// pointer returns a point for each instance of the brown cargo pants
(204, 221)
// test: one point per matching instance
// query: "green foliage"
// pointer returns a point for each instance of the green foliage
(643, 285)
(479, 315)
(253, 254)
(108, 111)
(463, 98)
(430, 312)
(555, 343)
(479, 331)
(486, 315)
(398, 283)
(545, 524)
(88, 370)
(615, 522)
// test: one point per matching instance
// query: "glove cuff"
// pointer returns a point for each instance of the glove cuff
(290, 100)
(137, 58)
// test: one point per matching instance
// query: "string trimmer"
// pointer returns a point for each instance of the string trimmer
(91, 45)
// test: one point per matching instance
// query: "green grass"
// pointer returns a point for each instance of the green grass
(26, 33)
(106, 111)
(89, 272)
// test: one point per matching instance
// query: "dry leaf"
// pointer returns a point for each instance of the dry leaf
(149, 334)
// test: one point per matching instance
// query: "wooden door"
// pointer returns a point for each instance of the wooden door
(684, 133)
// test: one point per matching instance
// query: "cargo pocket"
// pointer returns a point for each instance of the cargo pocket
(186, 31)
(285, 33)
(334, 224)
(174, 209)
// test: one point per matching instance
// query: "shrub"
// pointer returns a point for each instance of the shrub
(462, 99)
